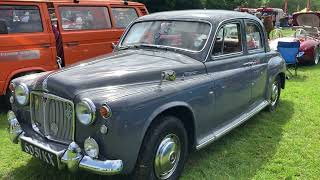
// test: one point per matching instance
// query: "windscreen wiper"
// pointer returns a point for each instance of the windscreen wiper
(146, 46)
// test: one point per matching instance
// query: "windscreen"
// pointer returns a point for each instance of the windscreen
(186, 35)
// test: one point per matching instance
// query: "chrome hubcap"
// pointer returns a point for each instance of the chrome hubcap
(275, 93)
(167, 156)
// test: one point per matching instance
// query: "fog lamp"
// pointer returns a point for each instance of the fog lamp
(91, 148)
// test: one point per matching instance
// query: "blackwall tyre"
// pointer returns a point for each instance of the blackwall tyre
(164, 151)
(275, 94)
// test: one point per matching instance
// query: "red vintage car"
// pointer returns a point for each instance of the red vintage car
(307, 25)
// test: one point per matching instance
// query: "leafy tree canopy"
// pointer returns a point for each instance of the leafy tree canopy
(166, 5)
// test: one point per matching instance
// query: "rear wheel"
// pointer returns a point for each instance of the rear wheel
(275, 94)
(316, 55)
(163, 152)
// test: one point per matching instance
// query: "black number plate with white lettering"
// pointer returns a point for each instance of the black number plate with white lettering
(39, 153)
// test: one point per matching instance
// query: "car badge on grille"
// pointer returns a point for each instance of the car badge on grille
(54, 128)
(44, 100)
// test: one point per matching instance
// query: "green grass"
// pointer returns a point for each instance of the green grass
(280, 145)
(287, 32)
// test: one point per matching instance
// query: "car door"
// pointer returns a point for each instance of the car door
(26, 41)
(255, 45)
(231, 73)
(86, 30)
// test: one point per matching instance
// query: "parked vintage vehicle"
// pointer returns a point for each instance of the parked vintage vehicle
(307, 32)
(307, 25)
(275, 13)
(41, 35)
(176, 82)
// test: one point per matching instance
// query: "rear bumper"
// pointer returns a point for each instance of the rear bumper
(70, 157)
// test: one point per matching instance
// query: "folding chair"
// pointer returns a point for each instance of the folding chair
(289, 52)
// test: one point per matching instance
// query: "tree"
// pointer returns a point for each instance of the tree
(166, 5)
(293, 5)
(232, 4)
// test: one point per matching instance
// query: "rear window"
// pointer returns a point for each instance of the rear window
(84, 18)
(124, 16)
(20, 19)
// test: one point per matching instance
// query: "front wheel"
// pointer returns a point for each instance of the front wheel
(164, 151)
(275, 94)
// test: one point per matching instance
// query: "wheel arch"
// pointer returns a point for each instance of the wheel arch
(282, 76)
(19, 73)
(180, 110)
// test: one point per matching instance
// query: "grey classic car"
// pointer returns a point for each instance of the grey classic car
(176, 82)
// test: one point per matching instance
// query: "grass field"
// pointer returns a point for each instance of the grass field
(280, 145)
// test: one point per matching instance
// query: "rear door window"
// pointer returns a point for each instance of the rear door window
(254, 36)
(84, 18)
(20, 19)
(124, 16)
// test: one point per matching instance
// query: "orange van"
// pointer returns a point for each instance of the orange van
(43, 35)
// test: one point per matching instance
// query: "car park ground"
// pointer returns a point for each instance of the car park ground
(280, 145)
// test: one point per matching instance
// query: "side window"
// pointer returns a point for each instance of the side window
(20, 19)
(84, 18)
(124, 16)
(254, 37)
(228, 40)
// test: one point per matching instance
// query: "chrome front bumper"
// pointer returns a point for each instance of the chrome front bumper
(72, 157)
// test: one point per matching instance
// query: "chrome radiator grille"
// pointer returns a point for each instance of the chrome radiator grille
(52, 116)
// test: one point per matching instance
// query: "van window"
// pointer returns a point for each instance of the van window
(20, 19)
(124, 16)
(84, 18)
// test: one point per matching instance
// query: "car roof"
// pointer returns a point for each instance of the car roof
(213, 16)
(80, 1)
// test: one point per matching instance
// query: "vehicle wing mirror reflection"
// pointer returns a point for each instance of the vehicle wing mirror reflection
(168, 75)
(114, 45)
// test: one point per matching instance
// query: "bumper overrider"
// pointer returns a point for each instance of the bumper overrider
(72, 157)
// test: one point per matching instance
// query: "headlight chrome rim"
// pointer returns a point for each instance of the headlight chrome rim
(91, 108)
(24, 94)
(91, 147)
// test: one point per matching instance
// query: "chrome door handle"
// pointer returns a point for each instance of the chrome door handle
(72, 43)
(247, 64)
(251, 63)
(45, 45)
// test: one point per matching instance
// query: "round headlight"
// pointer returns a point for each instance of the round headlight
(22, 94)
(86, 111)
(91, 147)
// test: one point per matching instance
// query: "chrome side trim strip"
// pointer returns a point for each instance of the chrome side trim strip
(224, 130)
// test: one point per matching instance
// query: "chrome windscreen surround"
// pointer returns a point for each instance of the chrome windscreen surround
(52, 117)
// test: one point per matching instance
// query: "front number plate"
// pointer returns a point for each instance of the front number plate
(39, 153)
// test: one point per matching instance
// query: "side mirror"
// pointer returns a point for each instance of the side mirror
(114, 45)
(168, 75)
